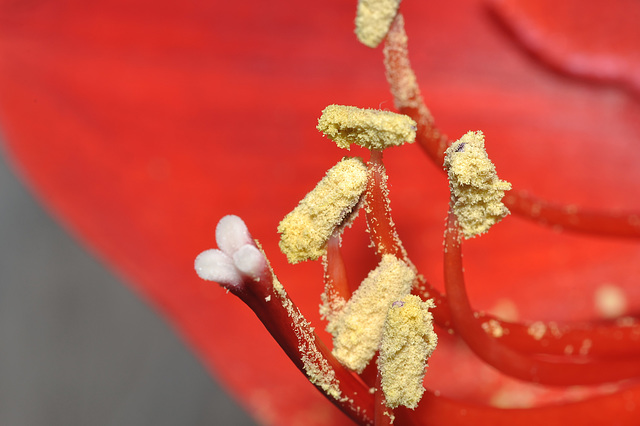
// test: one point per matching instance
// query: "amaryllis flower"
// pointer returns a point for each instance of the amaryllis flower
(140, 124)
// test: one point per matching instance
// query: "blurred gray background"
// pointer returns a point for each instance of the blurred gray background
(76, 346)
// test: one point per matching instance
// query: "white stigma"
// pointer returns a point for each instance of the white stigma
(236, 258)
(214, 265)
(231, 234)
(249, 260)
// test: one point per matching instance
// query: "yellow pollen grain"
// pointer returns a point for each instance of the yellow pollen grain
(332, 304)
(357, 328)
(537, 330)
(370, 128)
(493, 328)
(476, 190)
(305, 231)
(373, 20)
(408, 340)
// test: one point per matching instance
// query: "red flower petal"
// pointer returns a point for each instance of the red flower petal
(597, 39)
(142, 123)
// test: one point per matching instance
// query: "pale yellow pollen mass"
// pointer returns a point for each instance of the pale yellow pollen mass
(408, 340)
(537, 330)
(305, 231)
(370, 128)
(373, 20)
(357, 328)
(476, 190)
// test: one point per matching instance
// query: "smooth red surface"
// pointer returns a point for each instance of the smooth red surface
(596, 39)
(140, 124)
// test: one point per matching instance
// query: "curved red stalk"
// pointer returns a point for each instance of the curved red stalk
(595, 411)
(563, 371)
(432, 410)
(384, 415)
(370, 373)
(611, 224)
(335, 274)
(296, 337)
(607, 340)
(409, 101)
(378, 211)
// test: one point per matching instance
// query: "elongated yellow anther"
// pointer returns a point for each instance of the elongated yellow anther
(357, 328)
(305, 231)
(408, 340)
(476, 190)
(371, 128)
(373, 20)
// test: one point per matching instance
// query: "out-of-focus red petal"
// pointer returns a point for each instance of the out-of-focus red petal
(141, 123)
(596, 39)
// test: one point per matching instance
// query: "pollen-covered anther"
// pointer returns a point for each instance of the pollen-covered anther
(357, 328)
(373, 20)
(476, 190)
(370, 128)
(237, 257)
(408, 340)
(330, 205)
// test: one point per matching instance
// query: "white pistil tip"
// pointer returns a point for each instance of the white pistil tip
(249, 260)
(231, 234)
(237, 258)
(214, 265)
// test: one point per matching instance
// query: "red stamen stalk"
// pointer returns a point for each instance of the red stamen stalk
(571, 218)
(384, 236)
(409, 101)
(378, 211)
(595, 411)
(563, 372)
(384, 415)
(607, 341)
(406, 92)
(335, 274)
(370, 374)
